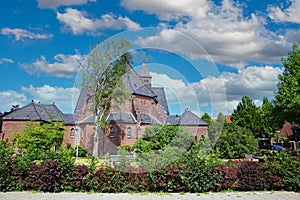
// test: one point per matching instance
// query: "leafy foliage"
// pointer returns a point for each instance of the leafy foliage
(215, 128)
(287, 98)
(162, 145)
(235, 142)
(102, 74)
(206, 117)
(40, 138)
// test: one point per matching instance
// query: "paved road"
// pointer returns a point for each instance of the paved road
(151, 196)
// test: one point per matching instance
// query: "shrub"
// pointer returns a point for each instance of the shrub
(228, 178)
(46, 176)
(251, 176)
(77, 182)
(282, 165)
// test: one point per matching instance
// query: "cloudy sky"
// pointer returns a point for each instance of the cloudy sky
(207, 54)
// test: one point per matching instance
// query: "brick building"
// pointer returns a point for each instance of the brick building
(146, 105)
(16, 120)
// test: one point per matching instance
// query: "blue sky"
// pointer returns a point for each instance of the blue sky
(207, 54)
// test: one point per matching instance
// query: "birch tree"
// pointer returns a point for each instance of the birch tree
(102, 74)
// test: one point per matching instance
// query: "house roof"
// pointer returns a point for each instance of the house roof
(148, 119)
(33, 111)
(173, 119)
(121, 117)
(69, 118)
(83, 96)
(135, 85)
(161, 97)
(188, 118)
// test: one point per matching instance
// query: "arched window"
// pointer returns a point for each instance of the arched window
(129, 132)
(112, 132)
(72, 134)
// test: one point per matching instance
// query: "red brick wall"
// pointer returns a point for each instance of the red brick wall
(197, 131)
(10, 127)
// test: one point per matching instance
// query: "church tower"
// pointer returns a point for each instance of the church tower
(145, 75)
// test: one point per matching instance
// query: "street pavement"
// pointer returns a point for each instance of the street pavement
(152, 196)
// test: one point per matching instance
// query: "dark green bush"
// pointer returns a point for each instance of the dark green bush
(285, 166)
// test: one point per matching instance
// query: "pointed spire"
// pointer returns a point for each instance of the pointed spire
(144, 70)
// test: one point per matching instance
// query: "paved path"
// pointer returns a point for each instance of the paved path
(151, 196)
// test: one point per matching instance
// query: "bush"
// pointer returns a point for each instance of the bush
(77, 182)
(46, 176)
(228, 178)
(286, 167)
(251, 176)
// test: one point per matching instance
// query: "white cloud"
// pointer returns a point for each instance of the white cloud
(290, 14)
(223, 32)
(64, 65)
(169, 10)
(56, 3)
(223, 92)
(78, 22)
(9, 98)
(21, 34)
(6, 60)
(48, 94)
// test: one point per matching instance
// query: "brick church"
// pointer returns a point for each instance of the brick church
(146, 105)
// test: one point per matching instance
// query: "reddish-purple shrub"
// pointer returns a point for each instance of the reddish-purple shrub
(77, 182)
(46, 177)
(251, 176)
(228, 178)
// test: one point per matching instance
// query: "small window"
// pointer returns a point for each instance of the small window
(129, 132)
(112, 132)
(72, 134)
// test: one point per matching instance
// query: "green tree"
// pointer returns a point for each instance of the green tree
(287, 96)
(215, 128)
(235, 142)
(40, 138)
(162, 145)
(102, 75)
(206, 117)
(266, 119)
(247, 115)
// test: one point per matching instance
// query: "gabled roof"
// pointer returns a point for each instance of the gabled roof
(69, 118)
(161, 97)
(173, 119)
(148, 119)
(32, 111)
(121, 117)
(188, 118)
(135, 85)
(83, 96)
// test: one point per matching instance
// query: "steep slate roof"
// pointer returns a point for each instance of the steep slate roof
(83, 96)
(88, 120)
(161, 96)
(121, 117)
(135, 85)
(32, 111)
(188, 118)
(148, 119)
(69, 118)
(173, 119)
